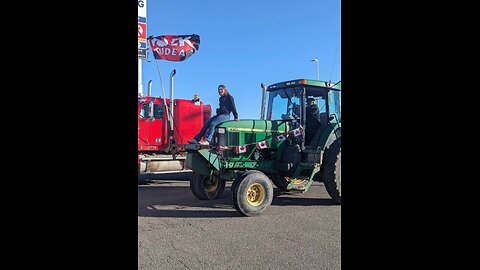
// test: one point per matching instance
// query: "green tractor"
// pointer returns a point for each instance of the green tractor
(258, 153)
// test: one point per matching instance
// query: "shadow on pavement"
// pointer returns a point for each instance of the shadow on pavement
(147, 178)
(168, 199)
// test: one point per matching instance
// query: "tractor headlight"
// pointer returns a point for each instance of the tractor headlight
(221, 136)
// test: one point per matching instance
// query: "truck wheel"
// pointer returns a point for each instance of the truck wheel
(205, 187)
(331, 173)
(252, 193)
(282, 183)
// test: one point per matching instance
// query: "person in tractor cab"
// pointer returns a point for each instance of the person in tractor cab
(226, 106)
(312, 122)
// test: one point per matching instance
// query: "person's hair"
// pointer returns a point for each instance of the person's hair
(225, 89)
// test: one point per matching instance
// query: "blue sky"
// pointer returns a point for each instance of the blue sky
(244, 43)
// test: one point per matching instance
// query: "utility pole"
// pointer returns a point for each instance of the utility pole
(318, 67)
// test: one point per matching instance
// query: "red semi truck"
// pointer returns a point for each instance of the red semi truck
(161, 132)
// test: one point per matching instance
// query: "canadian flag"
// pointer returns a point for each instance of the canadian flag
(298, 131)
(241, 149)
(262, 144)
(221, 147)
(281, 137)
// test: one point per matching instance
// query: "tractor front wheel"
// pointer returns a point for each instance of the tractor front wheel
(206, 187)
(252, 193)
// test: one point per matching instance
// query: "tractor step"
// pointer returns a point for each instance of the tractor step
(313, 167)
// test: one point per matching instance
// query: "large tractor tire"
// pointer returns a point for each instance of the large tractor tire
(206, 187)
(282, 183)
(238, 180)
(252, 193)
(331, 172)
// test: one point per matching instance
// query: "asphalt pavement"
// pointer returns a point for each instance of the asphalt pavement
(178, 231)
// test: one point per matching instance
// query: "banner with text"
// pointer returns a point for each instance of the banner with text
(174, 47)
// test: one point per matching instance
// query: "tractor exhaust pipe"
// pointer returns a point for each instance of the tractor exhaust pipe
(264, 93)
(149, 93)
(171, 99)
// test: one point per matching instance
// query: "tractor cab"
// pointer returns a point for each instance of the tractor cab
(288, 102)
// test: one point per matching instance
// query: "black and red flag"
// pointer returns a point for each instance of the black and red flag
(174, 47)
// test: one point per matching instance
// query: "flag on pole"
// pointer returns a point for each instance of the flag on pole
(240, 149)
(174, 47)
(262, 144)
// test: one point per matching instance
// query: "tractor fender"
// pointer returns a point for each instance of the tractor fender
(336, 133)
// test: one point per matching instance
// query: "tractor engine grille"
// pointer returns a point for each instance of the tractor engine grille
(233, 138)
(250, 138)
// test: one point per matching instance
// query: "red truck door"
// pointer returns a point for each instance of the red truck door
(151, 131)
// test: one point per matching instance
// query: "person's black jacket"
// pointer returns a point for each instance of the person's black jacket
(227, 105)
(313, 117)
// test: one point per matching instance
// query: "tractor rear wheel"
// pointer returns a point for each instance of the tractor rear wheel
(331, 172)
(206, 187)
(252, 193)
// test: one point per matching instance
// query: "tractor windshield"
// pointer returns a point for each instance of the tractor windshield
(284, 104)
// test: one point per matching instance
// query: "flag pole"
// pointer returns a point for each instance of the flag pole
(163, 90)
(161, 81)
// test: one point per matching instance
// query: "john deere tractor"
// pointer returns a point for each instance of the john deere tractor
(257, 154)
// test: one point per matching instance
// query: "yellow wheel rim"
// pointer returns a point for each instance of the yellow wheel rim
(255, 194)
(212, 185)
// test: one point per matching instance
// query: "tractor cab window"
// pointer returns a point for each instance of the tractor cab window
(320, 101)
(334, 98)
(284, 104)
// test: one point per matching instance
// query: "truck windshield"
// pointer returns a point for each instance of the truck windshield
(157, 111)
(143, 110)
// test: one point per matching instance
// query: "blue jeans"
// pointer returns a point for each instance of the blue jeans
(209, 127)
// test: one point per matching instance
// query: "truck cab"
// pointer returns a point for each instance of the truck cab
(159, 139)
